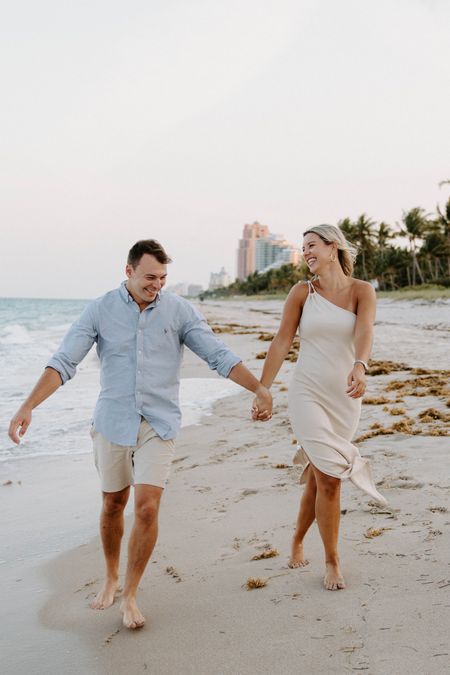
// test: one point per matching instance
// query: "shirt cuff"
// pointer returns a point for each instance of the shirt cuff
(63, 372)
(228, 364)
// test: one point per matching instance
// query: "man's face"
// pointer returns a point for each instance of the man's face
(146, 279)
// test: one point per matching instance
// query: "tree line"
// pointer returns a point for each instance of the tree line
(415, 251)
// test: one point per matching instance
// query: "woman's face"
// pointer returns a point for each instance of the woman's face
(317, 253)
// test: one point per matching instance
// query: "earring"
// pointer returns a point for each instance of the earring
(333, 258)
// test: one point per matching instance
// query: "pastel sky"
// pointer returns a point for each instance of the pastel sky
(182, 120)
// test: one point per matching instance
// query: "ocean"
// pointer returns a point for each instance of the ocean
(30, 332)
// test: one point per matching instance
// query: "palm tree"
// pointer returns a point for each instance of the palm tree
(415, 223)
(364, 238)
(348, 228)
(444, 220)
(434, 248)
(384, 234)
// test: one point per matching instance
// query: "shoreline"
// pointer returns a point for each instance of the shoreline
(430, 293)
(193, 411)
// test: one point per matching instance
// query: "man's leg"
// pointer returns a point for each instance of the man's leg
(140, 546)
(111, 532)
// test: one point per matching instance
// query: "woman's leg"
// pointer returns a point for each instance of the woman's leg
(305, 519)
(328, 514)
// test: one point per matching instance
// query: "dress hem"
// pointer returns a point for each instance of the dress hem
(365, 467)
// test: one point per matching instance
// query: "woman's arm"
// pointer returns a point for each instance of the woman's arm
(365, 318)
(282, 341)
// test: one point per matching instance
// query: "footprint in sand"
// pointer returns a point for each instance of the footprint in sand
(221, 506)
(86, 585)
(246, 493)
(391, 453)
(109, 639)
(376, 509)
(174, 574)
(432, 534)
(404, 482)
(231, 551)
(177, 460)
(217, 459)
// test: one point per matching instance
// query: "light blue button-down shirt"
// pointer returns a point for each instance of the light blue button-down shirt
(140, 357)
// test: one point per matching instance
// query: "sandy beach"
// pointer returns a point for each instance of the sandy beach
(233, 496)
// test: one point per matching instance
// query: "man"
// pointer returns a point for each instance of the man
(140, 333)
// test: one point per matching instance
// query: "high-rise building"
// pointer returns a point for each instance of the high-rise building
(194, 290)
(259, 249)
(186, 290)
(219, 280)
(178, 289)
(246, 255)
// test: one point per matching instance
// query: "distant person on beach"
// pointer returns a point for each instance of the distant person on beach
(335, 315)
(140, 333)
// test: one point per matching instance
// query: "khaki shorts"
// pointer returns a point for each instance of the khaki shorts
(146, 463)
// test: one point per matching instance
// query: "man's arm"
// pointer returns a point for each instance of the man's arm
(199, 337)
(262, 404)
(61, 367)
(47, 384)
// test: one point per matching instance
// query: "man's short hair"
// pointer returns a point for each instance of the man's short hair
(150, 246)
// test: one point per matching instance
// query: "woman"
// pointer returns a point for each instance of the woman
(336, 314)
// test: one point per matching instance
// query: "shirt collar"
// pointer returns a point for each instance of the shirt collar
(126, 295)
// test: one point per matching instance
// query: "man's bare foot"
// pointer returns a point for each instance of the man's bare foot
(333, 580)
(132, 618)
(105, 597)
(297, 556)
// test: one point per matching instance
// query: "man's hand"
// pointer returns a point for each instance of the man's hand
(356, 381)
(21, 419)
(262, 405)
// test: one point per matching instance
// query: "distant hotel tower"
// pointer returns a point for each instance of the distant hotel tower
(219, 280)
(246, 255)
(260, 250)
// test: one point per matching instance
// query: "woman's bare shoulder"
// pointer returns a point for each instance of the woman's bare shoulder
(363, 288)
(364, 295)
(299, 291)
(301, 286)
(296, 297)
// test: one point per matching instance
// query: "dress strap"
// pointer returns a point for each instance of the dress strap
(311, 289)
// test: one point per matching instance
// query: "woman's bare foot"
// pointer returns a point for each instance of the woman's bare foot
(132, 617)
(105, 597)
(297, 556)
(333, 580)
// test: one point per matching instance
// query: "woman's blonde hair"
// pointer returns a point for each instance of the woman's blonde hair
(347, 252)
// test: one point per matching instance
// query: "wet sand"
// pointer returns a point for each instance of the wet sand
(233, 496)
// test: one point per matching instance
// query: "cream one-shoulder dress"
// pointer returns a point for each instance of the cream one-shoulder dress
(323, 417)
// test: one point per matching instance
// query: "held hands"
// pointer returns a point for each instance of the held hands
(21, 419)
(356, 381)
(262, 405)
